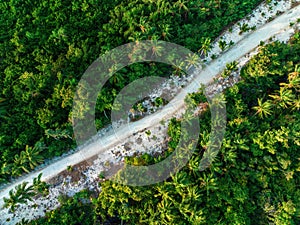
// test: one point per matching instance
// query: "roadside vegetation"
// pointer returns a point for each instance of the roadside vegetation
(45, 47)
(255, 177)
(24, 193)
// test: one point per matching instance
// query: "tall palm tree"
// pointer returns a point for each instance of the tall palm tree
(182, 5)
(33, 156)
(144, 25)
(264, 108)
(21, 195)
(40, 186)
(166, 31)
(163, 7)
(284, 97)
(192, 60)
(157, 48)
(193, 193)
(232, 66)
(205, 46)
(208, 182)
(11, 202)
(28, 159)
(178, 66)
(222, 45)
(19, 165)
(193, 166)
(296, 104)
(293, 79)
(117, 79)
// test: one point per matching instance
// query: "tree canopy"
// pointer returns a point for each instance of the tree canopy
(255, 178)
(45, 47)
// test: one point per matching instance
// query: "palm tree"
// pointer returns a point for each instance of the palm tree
(40, 186)
(181, 4)
(165, 31)
(192, 60)
(284, 98)
(296, 104)
(19, 165)
(117, 79)
(144, 25)
(264, 108)
(204, 139)
(232, 66)
(181, 179)
(140, 108)
(222, 45)
(157, 48)
(21, 195)
(178, 66)
(205, 46)
(293, 78)
(33, 156)
(163, 7)
(193, 193)
(209, 182)
(11, 202)
(28, 159)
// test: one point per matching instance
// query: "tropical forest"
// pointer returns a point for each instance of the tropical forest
(253, 178)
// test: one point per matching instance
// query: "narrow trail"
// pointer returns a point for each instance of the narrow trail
(205, 76)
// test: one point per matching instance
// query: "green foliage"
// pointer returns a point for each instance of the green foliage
(256, 176)
(244, 28)
(25, 161)
(230, 67)
(73, 210)
(205, 46)
(159, 102)
(40, 186)
(223, 45)
(46, 46)
(21, 195)
(3, 107)
(264, 108)
(143, 160)
(24, 193)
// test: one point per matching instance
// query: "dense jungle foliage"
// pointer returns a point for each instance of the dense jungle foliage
(256, 176)
(45, 47)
